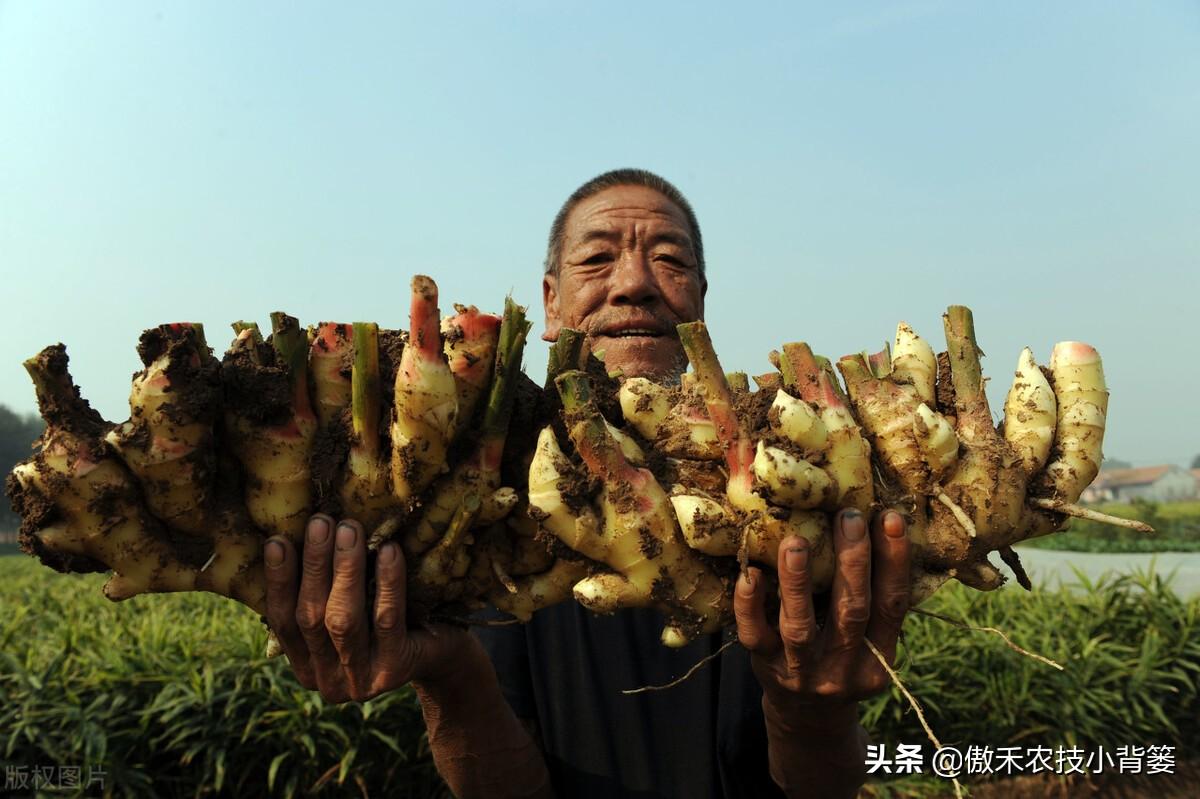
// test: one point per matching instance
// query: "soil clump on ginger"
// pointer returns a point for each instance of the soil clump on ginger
(76, 416)
(391, 347)
(201, 377)
(254, 387)
(530, 413)
(331, 446)
(753, 408)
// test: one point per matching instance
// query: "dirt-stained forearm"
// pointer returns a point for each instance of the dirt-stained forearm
(817, 754)
(479, 746)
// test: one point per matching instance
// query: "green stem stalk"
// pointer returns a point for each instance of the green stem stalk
(800, 369)
(291, 343)
(513, 331)
(240, 326)
(201, 341)
(768, 381)
(880, 363)
(460, 524)
(565, 353)
(251, 347)
(964, 356)
(575, 389)
(592, 439)
(830, 383)
(366, 396)
(855, 369)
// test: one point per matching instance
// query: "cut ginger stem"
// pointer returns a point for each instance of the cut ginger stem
(366, 484)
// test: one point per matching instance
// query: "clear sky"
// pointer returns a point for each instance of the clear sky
(851, 164)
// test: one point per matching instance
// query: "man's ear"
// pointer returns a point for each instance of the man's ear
(550, 304)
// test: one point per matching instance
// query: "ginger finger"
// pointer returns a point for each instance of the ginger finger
(330, 359)
(1030, 414)
(168, 443)
(541, 590)
(888, 412)
(426, 399)
(270, 423)
(788, 481)
(567, 516)
(1082, 398)
(848, 455)
(478, 477)
(937, 442)
(81, 509)
(796, 420)
(705, 525)
(672, 419)
(914, 364)
(470, 338)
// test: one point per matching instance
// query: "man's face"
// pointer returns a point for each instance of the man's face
(628, 275)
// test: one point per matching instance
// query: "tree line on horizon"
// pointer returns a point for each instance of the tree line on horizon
(17, 434)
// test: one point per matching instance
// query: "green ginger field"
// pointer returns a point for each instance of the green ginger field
(170, 695)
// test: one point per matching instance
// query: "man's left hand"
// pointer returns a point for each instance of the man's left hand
(809, 672)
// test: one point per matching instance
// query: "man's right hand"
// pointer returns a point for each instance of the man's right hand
(316, 605)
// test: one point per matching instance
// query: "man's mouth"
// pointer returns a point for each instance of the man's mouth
(640, 346)
(636, 328)
(633, 332)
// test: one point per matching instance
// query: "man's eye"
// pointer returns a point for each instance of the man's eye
(598, 258)
(672, 260)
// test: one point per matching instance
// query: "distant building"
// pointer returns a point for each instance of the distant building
(1154, 483)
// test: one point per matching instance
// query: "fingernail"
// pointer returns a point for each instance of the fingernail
(318, 530)
(346, 536)
(796, 559)
(893, 524)
(746, 584)
(854, 527)
(273, 553)
(387, 554)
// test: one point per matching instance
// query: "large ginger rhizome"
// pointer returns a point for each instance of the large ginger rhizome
(712, 467)
(400, 430)
(620, 492)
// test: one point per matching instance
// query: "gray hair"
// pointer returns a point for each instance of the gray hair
(620, 177)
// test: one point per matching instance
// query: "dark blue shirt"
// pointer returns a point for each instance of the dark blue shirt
(704, 738)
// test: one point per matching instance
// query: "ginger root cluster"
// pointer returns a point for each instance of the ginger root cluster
(615, 490)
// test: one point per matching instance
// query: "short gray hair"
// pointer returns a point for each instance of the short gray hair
(620, 177)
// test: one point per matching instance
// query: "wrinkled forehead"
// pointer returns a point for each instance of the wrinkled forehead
(621, 206)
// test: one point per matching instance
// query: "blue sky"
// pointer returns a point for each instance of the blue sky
(850, 166)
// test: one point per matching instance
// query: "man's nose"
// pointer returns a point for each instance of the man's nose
(633, 281)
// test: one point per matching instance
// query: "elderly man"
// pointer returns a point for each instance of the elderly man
(538, 709)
